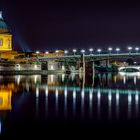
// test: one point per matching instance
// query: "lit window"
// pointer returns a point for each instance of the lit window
(1, 42)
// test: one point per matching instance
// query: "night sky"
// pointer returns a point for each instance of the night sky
(56, 24)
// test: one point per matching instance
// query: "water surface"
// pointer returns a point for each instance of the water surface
(35, 102)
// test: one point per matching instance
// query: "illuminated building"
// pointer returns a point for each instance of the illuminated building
(5, 36)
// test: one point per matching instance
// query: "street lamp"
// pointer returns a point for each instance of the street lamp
(37, 52)
(130, 48)
(66, 52)
(137, 49)
(117, 49)
(91, 50)
(57, 51)
(99, 51)
(46, 52)
(110, 49)
(74, 51)
(82, 51)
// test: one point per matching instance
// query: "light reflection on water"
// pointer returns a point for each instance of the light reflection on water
(74, 97)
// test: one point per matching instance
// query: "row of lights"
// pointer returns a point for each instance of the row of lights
(98, 50)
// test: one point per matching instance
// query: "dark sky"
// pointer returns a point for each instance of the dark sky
(56, 24)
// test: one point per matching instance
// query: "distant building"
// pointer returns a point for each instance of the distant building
(5, 36)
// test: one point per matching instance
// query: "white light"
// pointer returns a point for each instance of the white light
(99, 95)
(82, 94)
(63, 77)
(99, 50)
(117, 49)
(137, 49)
(129, 98)
(57, 51)
(35, 66)
(0, 127)
(52, 68)
(35, 78)
(109, 97)
(56, 93)
(1, 15)
(37, 92)
(129, 48)
(66, 52)
(136, 97)
(37, 52)
(124, 79)
(135, 62)
(18, 79)
(52, 78)
(110, 49)
(82, 51)
(74, 94)
(91, 50)
(46, 52)
(46, 91)
(117, 96)
(63, 67)
(74, 50)
(90, 96)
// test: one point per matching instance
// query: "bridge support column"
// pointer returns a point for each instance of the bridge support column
(44, 65)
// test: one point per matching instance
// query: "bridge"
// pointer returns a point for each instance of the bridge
(78, 63)
(92, 57)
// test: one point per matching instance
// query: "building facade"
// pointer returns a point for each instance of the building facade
(5, 36)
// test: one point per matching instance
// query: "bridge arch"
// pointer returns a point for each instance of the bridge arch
(129, 68)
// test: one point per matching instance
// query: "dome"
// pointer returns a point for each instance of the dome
(3, 26)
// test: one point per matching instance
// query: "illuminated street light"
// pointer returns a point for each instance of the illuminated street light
(117, 49)
(57, 51)
(91, 50)
(135, 62)
(83, 51)
(99, 51)
(137, 49)
(65, 51)
(37, 52)
(46, 52)
(110, 49)
(74, 51)
(130, 48)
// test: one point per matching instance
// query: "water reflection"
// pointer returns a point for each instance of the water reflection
(65, 101)
(136, 104)
(98, 102)
(117, 103)
(102, 96)
(90, 103)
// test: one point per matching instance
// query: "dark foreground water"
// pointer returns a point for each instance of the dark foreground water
(69, 103)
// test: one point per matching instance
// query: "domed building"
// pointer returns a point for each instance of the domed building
(5, 36)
